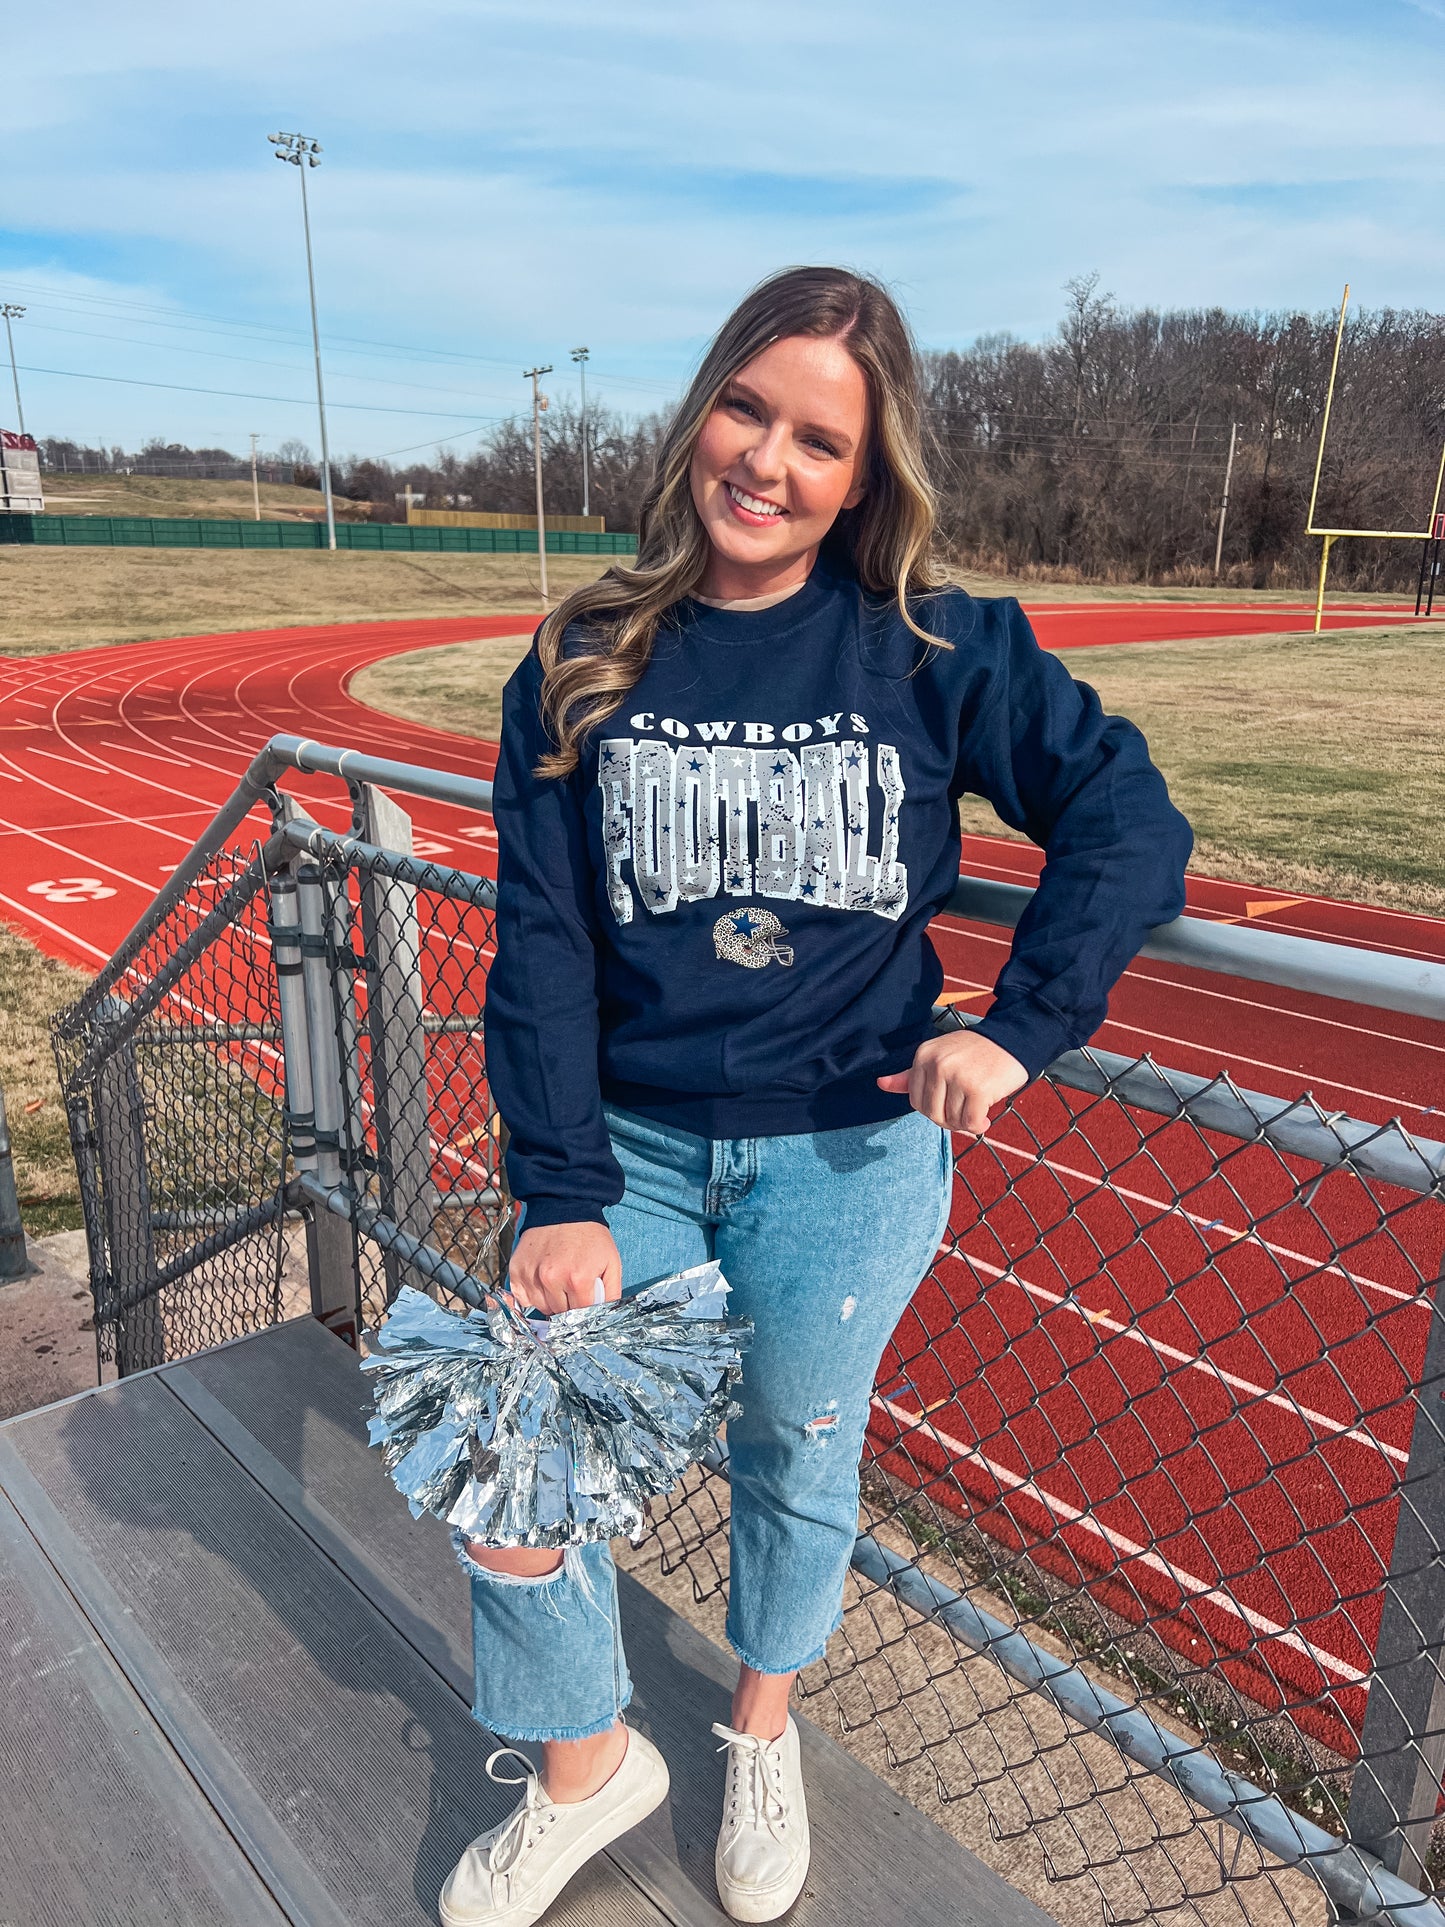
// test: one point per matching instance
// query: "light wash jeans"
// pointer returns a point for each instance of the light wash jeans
(824, 1239)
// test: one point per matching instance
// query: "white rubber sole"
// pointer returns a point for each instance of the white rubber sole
(754, 1904)
(645, 1798)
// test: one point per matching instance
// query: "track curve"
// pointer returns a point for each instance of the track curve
(112, 762)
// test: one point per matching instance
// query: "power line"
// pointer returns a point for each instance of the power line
(238, 394)
(181, 318)
(252, 361)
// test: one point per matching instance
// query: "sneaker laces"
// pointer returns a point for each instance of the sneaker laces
(517, 1834)
(759, 1772)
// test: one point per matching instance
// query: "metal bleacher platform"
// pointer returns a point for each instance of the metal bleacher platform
(236, 1678)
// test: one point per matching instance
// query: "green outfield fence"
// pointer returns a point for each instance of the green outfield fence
(176, 532)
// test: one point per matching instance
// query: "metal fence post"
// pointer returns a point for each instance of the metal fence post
(1396, 1789)
(140, 1339)
(330, 1243)
(398, 1041)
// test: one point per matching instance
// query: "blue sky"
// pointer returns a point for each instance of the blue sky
(503, 179)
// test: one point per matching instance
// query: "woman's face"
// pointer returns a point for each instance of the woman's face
(781, 455)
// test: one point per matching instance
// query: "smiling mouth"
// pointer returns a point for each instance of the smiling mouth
(753, 506)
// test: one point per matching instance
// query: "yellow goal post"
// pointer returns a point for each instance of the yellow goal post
(1329, 537)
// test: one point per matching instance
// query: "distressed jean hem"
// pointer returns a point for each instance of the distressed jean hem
(536, 1735)
(793, 1666)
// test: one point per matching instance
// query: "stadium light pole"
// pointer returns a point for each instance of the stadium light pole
(579, 355)
(539, 402)
(303, 153)
(12, 311)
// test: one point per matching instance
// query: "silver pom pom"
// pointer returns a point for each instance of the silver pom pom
(531, 1431)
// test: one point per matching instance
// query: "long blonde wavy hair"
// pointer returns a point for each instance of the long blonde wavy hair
(889, 535)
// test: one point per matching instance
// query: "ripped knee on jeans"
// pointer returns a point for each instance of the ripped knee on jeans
(522, 1564)
(818, 1430)
(556, 1566)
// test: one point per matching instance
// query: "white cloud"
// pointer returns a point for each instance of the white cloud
(510, 176)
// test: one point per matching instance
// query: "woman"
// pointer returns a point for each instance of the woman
(726, 806)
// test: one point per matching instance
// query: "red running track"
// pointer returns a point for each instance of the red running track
(1158, 1420)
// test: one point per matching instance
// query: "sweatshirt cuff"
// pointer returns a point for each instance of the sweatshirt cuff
(540, 1211)
(1029, 1031)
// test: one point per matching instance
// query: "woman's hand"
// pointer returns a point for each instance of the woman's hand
(556, 1266)
(958, 1079)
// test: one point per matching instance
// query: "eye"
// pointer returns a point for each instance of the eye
(826, 447)
(742, 407)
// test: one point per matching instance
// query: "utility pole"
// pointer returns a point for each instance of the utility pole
(579, 355)
(255, 485)
(302, 153)
(1224, 501)
(539, 402)
(12, 311)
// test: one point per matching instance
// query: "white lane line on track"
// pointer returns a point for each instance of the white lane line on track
(1263, 1063)
(1028, 879)
(1229, 1237)
(1112, 1024)
(1146, 976)
(116, 816)
(1017, 870)
(1193, 1587)
(70, 760)
(140, 822)
(240, 749)
(131, 749)
(91, 861)
(29, 914)
(1192, 1361)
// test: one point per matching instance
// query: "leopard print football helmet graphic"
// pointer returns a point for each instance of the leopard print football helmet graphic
(750, 937)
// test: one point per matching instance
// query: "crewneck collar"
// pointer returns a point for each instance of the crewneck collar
(746, 626)
(749, 605)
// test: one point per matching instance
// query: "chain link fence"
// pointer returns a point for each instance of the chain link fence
(1153, 1505)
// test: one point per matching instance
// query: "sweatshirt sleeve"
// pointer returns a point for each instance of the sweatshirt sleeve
(541, 1006)
(1080, 784)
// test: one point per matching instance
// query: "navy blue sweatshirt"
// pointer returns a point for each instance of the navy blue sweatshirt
(720, 918)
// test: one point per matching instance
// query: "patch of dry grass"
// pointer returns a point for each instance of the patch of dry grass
(169, 495)
(54, 599)
(458, 688)
(1304, 762)
(32, 989)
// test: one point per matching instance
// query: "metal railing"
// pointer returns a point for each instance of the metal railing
(1154, 1494)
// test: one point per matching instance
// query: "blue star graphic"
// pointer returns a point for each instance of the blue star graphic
(744, 924)
(780, 769)
(809, 887)
(658, 895)
(854, 760)
(607, 756)
(694, 763)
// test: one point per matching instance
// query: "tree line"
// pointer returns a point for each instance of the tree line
(1103, 450)
(1099, 453)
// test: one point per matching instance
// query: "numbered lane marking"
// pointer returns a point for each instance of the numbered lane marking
(70, 890)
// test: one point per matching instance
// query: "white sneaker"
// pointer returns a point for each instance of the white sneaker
(509, 1876)
(762, 1849)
